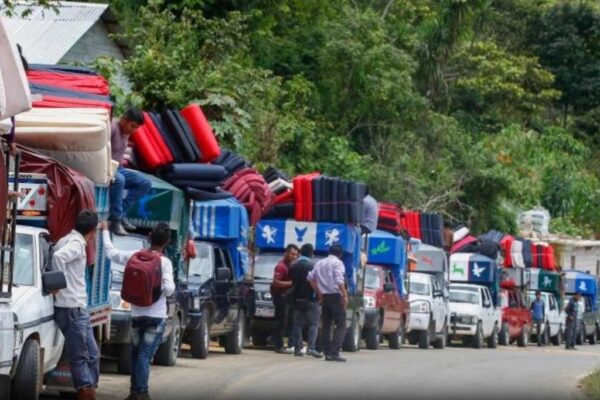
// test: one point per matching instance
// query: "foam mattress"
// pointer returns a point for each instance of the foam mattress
(16, 97)
(202, 132)
(189, 171)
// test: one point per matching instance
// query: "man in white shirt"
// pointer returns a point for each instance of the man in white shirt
(70, 305)
(147, 323)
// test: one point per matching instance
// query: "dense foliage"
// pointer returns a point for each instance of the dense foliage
(474, 108)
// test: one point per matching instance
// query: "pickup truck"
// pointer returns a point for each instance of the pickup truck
(516, 315)
(386, 307)
(586, 284)
(271, 237)
(428, 289)
(219, 290)
(549, 283)
(475, 315)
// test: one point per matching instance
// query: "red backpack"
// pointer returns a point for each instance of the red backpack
(142, 279)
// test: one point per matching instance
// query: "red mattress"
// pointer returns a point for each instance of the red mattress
(303, 196)
(506, 247)
(412, 223)
(150, 148)
(87, 83)
(68, 102)
(203, 133)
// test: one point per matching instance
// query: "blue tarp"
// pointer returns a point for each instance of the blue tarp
(386, 249)
(577, 281)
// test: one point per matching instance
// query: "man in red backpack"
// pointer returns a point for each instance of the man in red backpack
(147, 282)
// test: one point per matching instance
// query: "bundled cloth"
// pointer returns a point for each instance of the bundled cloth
(251, 189)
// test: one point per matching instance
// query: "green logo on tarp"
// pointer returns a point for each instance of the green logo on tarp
(456, 269)
(382, 248)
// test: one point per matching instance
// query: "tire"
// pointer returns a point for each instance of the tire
(124, 360)
(492, 341)
(478, 338)
(27, 380)
(580, 338)
(558, 338)
(259, 339)
(234, 341)
(199, 339)
(593, 338)
(503, 336)
(395, 340)
(4, 387)
(440, 341)
(352, 339)
(425, 338)
(167, 353)
(523, 339)
(372, 338)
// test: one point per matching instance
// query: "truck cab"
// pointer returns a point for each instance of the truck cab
(549, 284)
(385, 299)
(514, 300)
(475, 315)
(586, 284)
(428, 290)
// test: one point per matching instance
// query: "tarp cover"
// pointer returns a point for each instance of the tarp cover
(577, 281)
(474, 268)
(543, 280)
(387, 249)
(429, 258)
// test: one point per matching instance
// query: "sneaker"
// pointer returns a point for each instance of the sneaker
(336, 357)
(127, 225)
(298, 354)
(314, 353)
(284, 350)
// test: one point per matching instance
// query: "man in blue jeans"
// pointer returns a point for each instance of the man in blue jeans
(70, 312)
(538, 314)
(147, 323)
(125, 179)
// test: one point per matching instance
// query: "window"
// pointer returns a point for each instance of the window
(24, 260)
(200, 268)
(372, 278)
(572, 262)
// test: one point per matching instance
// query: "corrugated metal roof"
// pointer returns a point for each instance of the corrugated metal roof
(46, 36)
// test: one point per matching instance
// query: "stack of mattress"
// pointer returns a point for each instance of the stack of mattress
(542, 256)
(152, 152)
(200, 181)
(231, 161)
(77, 137)
(390, 218)
(411, 221)
(432, 228)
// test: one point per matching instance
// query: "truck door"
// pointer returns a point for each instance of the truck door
(390, 303)
(552, 311)
(221, 295)
(487, 318)
(234, 293)
(438, 304)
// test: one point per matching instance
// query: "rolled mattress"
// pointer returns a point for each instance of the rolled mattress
(202, 131)
(189, 171)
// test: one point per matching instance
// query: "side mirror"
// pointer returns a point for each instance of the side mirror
(53, 281)
(223, 275)
(389, 287)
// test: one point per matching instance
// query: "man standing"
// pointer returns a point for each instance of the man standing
(280, 293)
(147, 323)
(538, 314)
(571, 310)
(305, 306)
(135, 183)
(70, 312)
(327, 278)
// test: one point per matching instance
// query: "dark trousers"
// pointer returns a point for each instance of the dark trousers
(74, 323)
(306, 312)
(146, 335)
(540, 331)
(333, 312)
(282, 308)
(570, 332)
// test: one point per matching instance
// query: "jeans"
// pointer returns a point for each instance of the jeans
(146, 335)
(137, 186)
(540, 331)
(333, 312)
(282, 310)
(570, 332)
(74, 323)
(306, 312)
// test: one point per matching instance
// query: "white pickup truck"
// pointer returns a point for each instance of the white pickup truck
(7, 339)
(429, 312)
(38, 343)
(474, 319)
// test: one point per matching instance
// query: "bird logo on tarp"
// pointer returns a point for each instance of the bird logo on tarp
(268, 233)
(477, 270)
(382, 248)
(332, 237)
(582, 286)
(300, 233)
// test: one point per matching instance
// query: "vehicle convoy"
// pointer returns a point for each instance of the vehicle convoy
(475, 314)
(220, 292)
(164, 203)
(385, 297)
(586, 284)
(428, 289)
(271, 238)
(549, 283)
(516, 315)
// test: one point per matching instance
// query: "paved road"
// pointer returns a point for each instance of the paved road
(410, 373)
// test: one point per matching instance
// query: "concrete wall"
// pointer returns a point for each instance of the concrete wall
(581, 258)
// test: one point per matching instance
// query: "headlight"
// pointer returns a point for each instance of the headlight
(369, 302)
(116, 303)
(419, 306)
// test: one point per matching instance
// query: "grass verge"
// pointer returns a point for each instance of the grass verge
(591, 385)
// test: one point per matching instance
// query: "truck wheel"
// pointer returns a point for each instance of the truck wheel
(235, 339)
(580, 338)
(124, 360)
(4, 387)
(478, 338)
(352, 339)
(523, 339)
(425, 338)
(167, 352)
(493, 339)
(593, 339)
(199, 341)
(395, 340)
(503, 337)
(440, 341)
(28, 377)
(558, 338)
(372, 338)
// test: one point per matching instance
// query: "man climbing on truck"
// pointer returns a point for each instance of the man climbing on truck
(148, 317)
(70, 312)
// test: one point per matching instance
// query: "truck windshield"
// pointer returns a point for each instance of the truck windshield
(421, 288)
(372, 278)
(24, 260)
(201, 267)
(464, 296)
(264, 264)
(124, 243)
